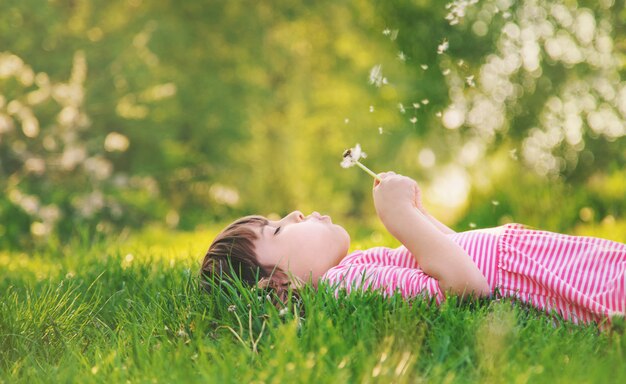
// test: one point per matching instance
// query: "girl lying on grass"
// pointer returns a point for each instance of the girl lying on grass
(581, 278)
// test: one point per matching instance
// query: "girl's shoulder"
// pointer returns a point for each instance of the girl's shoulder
(375, 256)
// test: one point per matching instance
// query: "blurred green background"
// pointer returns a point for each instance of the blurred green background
(125, 113)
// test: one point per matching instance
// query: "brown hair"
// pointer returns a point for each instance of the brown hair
(232, 255)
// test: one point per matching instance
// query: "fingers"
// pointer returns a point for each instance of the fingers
(382, 176)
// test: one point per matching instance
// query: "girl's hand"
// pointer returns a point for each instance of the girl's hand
(395, 194)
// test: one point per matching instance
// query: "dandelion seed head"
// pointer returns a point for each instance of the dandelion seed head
(425, 101)
(424, 66)
(401, 56)
(495, 202)
(416, 105)
(352, 155)
(472, 225)
(232, 308)
(446, 72)
(413, 120)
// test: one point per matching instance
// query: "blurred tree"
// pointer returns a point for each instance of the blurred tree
(121, 112)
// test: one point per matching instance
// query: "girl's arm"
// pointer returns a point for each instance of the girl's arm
(439, 225)
(418, 203)
(437, 255)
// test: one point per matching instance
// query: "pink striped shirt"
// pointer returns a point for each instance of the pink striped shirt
(581, 278)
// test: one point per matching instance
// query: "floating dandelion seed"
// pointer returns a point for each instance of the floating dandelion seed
(456, 10)
(401, 56)
(376, 75)
(351, 158)
(413, 120)
(393, 34)
(416, 105)
(401, 108)
(470, 81)
(425, 101)
(371, 108)
(446, 72)
(424, 66)
(441, 48)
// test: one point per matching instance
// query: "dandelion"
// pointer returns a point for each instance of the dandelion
(416, 105)
(371, 108)
(495, 202)
(232, 308)
(283, 312)
(380, 130)
(425, 101)
(446, 72)
(470, 81)
(438, 114)
(401, 108)
(401, 56)
(386, 31)
(441, 48)
(376, 75)
(424, 66)
(413, 120)
(351, 157)
(472, 225)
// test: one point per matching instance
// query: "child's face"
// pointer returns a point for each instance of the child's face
(307, 246)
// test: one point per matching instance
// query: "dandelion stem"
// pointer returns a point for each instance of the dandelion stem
(369, 171)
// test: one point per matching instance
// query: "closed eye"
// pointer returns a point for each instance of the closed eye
(277, 230)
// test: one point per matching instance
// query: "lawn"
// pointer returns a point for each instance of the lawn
(129, 310)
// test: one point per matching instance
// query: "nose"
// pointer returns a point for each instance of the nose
(296, 216)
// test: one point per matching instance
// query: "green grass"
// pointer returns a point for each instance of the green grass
(93, 313)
